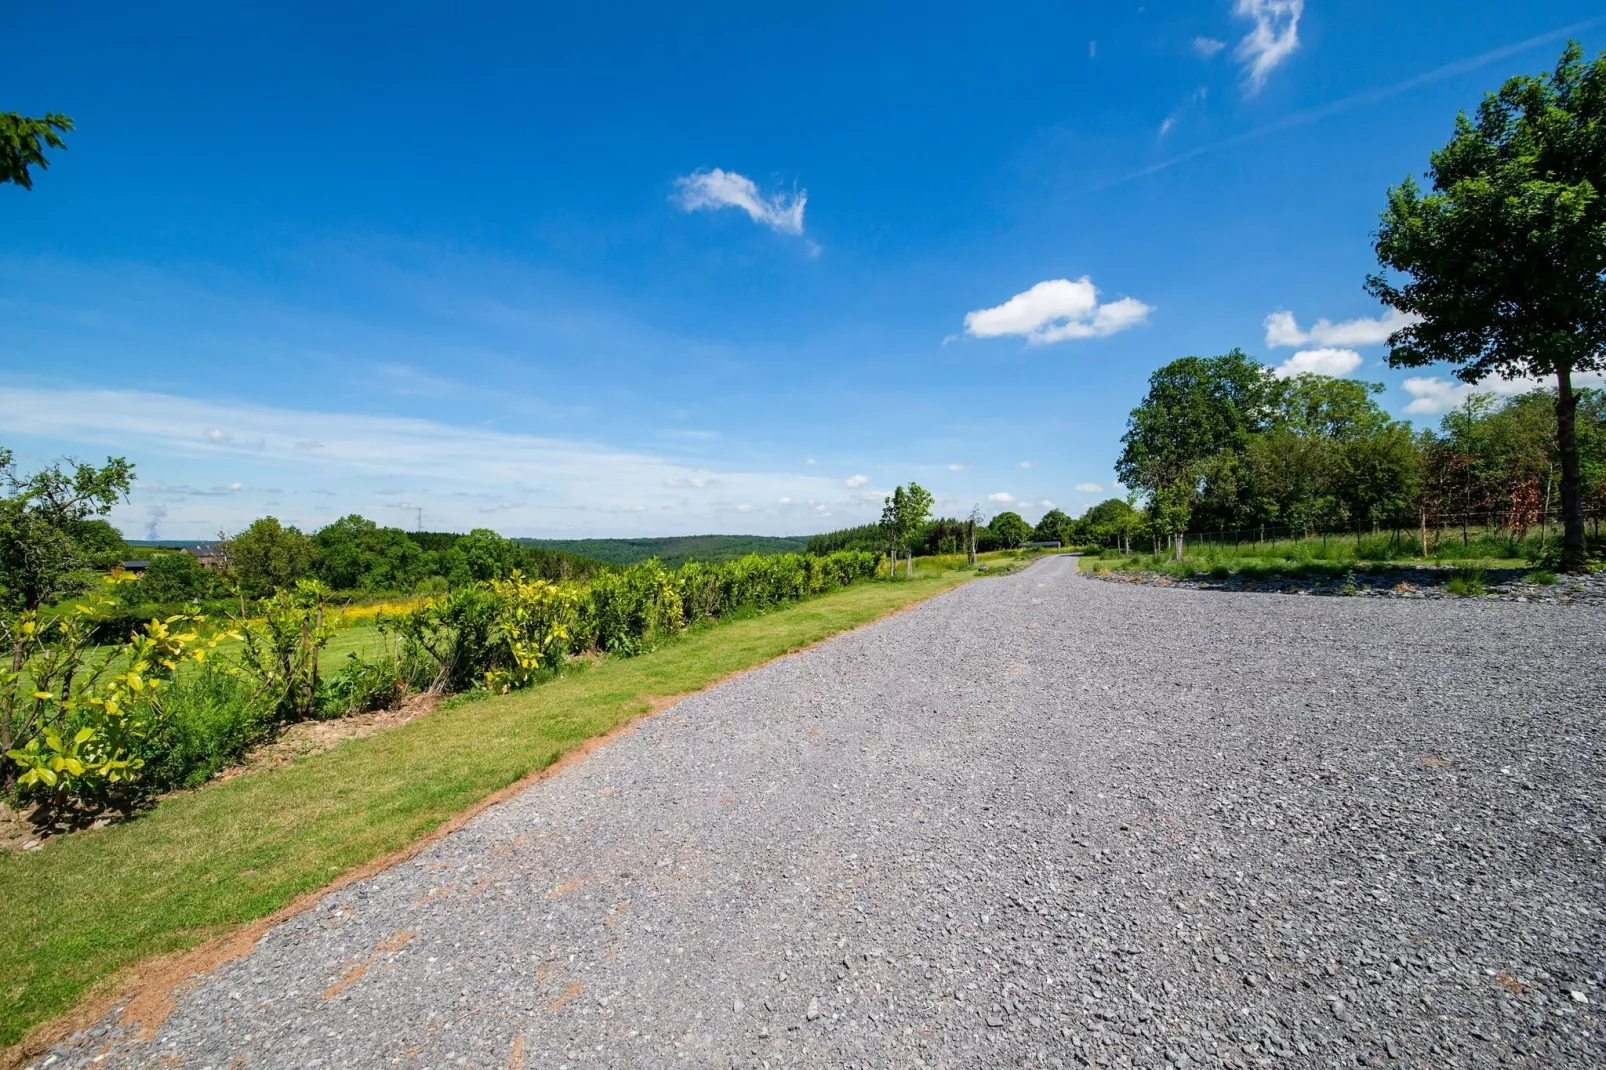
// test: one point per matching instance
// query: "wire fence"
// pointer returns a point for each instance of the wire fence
(1430, 534)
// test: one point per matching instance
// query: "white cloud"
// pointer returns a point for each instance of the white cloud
(744, 508)
(956, 468)
(217, 434)
(1207, 47)
(1046, 504)
(544, 484)
(1196, 98)
(1002, 496)
(786, 501)
(1432, 394)
(1089, 488)
(715, 189)
(855, 481)
(1283, 330)
(810, 460)
(1333, 362)
(1026, 464)
(236, 486)
(1056, 310)
(1272, 39)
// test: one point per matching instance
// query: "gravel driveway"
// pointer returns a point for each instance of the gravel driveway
(1039, 821)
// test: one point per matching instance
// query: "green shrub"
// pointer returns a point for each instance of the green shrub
(1541, 577)
(363, 685)
(1466, 582)
(201, 723)
(175, 577)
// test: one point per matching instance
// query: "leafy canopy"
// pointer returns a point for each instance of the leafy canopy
(174, 578)
(1506, 256)
(268, 556)
(49, 539)
(1196, 408)
(1056, 524)
(23, 141)
(1010, 529)
(903, 513)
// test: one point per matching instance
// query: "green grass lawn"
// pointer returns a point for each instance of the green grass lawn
(87, 905)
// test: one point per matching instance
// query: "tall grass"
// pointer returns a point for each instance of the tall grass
(206, 721)
(1321, 558)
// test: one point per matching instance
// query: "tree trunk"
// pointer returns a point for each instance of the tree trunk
(1572, 483)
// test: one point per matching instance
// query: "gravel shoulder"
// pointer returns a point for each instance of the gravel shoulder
(1042, 820)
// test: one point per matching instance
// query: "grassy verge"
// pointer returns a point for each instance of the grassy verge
(85, 906)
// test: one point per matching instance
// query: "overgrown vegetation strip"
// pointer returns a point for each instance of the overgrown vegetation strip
(85, 906)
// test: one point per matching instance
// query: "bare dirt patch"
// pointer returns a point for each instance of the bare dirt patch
(314, 737)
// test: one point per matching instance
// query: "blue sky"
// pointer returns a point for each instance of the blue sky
(614, 271)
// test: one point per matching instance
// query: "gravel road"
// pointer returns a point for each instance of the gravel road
(1041, 820)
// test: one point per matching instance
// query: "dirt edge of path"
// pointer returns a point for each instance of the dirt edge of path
(147, 992)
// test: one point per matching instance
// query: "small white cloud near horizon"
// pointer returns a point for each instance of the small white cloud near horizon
(855, 481)
(1282, 329)
(1089, 488)
(786, 501)
(1046, 503)
(1336, 363)
(956, 468)
(1026, 464)
(1002, 496)
(1433, 394)
(715, 189)
(1056, 310)
(744, 508)
(217, 434)
(1273, 38)
(1207, 47)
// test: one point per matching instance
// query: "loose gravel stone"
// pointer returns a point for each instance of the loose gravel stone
(1037, 821)
(1412, 581)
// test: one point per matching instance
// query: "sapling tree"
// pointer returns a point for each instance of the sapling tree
(1504, 259)
(903, 513)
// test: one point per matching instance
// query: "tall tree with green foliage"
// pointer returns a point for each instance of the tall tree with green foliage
(49, 537)
(1505, 259)
(1056, 524)
(1197, 411)
(267, 556)
(1010, 529)
(23, 142)
(354, 553)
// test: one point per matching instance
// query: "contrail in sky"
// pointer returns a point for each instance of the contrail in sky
(1370, 96)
